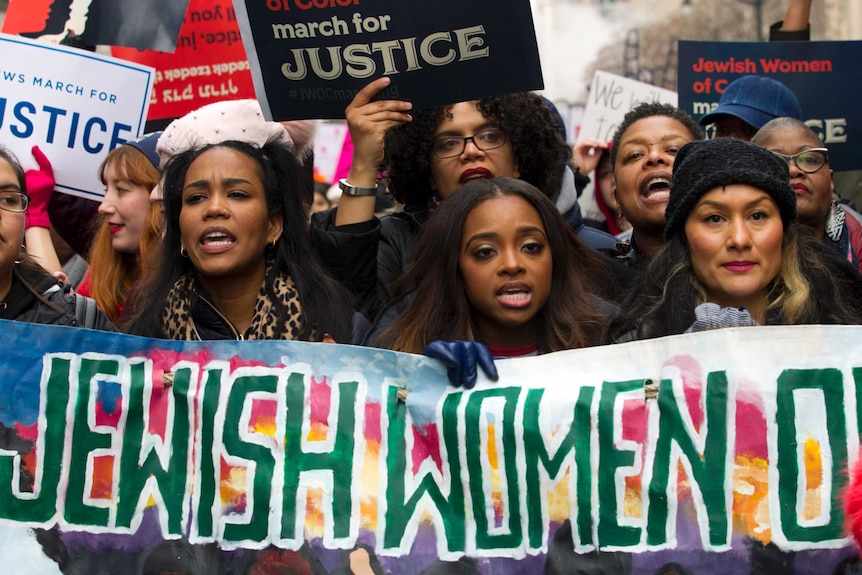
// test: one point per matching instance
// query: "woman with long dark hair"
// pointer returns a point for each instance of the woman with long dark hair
(236, 260)
(498, 265)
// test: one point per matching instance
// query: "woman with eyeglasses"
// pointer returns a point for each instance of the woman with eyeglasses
(430, 153)
(27, 292)
(734, 254)
(811, 179)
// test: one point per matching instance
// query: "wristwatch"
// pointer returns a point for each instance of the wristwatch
(352, 190)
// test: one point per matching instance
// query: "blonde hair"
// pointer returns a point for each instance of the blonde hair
(791, 292)
(112, 273)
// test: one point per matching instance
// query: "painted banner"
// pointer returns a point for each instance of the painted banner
(209, 64)
(124, 454)
(825, 76)
(75, 105)
(310, 57)
(142, 24)
(610, 98)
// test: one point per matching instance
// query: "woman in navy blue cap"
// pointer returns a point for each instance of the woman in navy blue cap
(748, 103)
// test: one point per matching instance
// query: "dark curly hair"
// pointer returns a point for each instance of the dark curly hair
(540, 152)
(648, 110)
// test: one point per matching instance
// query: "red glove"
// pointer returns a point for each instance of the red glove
(40, 186)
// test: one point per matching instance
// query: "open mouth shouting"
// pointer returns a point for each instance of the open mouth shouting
(216, 240)
(656, 189)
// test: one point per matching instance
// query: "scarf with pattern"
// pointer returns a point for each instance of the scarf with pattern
(179, 324)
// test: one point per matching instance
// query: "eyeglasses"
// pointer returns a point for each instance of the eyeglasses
(14, 201)
(808, 161)
(452, 146)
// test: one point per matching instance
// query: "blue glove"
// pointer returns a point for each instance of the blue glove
(460, 359)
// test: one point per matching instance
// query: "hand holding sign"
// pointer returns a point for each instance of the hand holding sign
(586, 155)
(368, 122)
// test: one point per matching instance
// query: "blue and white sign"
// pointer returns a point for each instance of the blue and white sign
(74, 104)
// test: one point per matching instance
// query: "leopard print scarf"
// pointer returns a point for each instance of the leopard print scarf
(179, 324)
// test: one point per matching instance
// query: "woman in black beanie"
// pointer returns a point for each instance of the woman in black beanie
(734, 245)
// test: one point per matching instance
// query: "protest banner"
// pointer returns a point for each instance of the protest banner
(610, 98)
(230, 457)
(825, 76)
(75, 105)
(209, 64)
(141, 24)
(310, 57)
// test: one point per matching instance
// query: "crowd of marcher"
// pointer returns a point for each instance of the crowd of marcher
(206, 230)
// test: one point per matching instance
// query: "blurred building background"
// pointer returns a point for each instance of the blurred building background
(637, 38)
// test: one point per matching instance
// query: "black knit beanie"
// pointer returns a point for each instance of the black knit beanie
(704, 165)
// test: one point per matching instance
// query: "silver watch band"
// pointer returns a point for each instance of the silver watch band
(352, 190)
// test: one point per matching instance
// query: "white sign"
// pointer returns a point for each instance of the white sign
(74, 104)
(610, 97)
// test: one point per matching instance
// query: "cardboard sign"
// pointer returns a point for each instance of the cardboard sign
(310, 57)
(75, 105)
(610, 98)
(127, 453)
(209, 64)
(825, 76)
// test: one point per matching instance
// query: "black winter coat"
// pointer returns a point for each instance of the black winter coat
(58, 307)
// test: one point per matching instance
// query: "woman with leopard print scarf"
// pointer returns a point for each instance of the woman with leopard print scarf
(236, 261)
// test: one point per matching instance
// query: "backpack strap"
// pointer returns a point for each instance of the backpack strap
(85, 307)
(85, 311)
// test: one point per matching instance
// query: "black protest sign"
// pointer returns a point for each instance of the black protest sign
(824, 76)
(310, 57)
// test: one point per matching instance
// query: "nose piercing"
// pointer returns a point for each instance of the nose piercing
(224, 213)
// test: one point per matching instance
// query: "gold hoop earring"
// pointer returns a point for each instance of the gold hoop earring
(272, 244)
(183, 252)
(22, 255)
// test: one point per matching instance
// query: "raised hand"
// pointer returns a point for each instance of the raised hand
(368, 121)
(40, 185)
